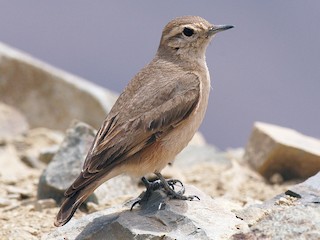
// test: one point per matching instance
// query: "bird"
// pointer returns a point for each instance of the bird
(154, 118)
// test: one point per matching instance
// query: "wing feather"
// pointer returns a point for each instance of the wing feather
(119, 138)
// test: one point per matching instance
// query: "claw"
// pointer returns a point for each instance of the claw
(167, 185)
(192, 197)
(173, 182)
(135, 203)
(170, 190)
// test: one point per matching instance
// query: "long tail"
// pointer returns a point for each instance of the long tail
(71, 204)
(80, 190)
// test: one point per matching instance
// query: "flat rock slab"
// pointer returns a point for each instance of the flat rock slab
(276, 150)
(294, 214)
(308, 191)
(160, 218)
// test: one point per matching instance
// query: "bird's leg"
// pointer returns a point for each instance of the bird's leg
(150, 187)
(167, 185)
(169, 188)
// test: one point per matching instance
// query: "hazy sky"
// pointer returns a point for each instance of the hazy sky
(265, 69)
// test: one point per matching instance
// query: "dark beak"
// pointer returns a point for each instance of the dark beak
(219, 28)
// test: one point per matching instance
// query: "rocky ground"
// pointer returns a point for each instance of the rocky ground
(246, 193)
(220, 175)
(25, 217)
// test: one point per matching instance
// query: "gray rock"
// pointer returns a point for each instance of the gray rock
(47, 153)
(67, 163)
(159, 218)
(276, 150)
(117, 189)
(294, 214)
(12, 122)
(47, 96)
(308, 191)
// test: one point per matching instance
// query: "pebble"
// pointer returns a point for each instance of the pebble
(45, 204)
(4, 202)
(18, 193)
(47, 153)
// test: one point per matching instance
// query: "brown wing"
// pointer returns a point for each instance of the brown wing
(131, 127)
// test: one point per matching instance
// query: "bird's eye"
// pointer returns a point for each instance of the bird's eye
(188, 32)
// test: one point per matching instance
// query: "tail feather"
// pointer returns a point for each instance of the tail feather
(75, 196)
(70, 205)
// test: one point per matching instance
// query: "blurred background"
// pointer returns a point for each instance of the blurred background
(265, 69)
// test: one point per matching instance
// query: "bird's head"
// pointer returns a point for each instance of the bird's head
(188, 37)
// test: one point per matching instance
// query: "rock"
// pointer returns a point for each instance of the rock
(42, 204)
(67, 163)
(308, 191)
(235, 154)
(47, 153)
(276, 178)
(92, 207)
(117, 190)
(20, 233)
(4, 202)
(160, 218)
(276, 150)
(31, 144)
(22, 193)
(225, 174)
(294, 214)
(47, 96)
(31, 161)
(12, 122)
(11, 168)
(39, 205)
(195, 153)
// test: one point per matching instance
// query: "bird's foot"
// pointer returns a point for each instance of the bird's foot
(167, 185)
(150, 188)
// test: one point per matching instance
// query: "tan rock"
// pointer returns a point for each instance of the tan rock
(4, 202)
(30, 145)
(272, 149)
(47, 96)
(11, 168)
(42, 204)
(12, 122)
(22, 193)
